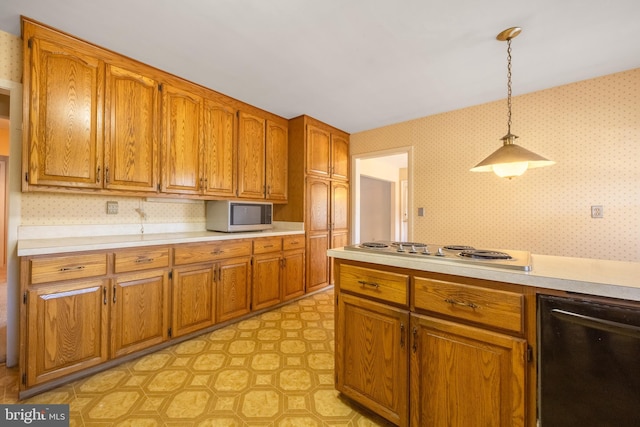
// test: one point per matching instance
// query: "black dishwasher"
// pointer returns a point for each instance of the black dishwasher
(589, 363)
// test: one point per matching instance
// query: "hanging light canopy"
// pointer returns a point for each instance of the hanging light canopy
(510, 160)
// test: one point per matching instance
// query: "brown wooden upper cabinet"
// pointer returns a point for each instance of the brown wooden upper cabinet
(181, 128)
(327, 154)
(100, 122)
(220, 148)
(130, 129)
(66, 97)
(91, 124)
(262, 158)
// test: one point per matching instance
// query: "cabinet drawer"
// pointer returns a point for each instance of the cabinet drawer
(267, 244)
(191, 254)
(293, 242)
(141, 259)
(52, 269)
(383, 285)
(490, 307)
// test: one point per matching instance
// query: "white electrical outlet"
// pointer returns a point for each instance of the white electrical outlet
(112, 208)
(597, 211)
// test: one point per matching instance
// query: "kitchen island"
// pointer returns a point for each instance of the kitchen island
(453, 343)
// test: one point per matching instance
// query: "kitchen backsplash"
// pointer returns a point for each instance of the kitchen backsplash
(590, 128)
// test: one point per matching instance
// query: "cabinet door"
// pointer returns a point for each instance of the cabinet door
(465, 376)
(194, 299)
(318, 206)
(339, 157)
(66, 329)
(339, 207)
(219, 139)
(251, 156)
(318, 152)
(277, 147)
(65, 146)
(292, 274)
(130, 129)
(266, 280)
(372, 360)
(234, 295)
(139, 311)
(318, 264)
(181, 124)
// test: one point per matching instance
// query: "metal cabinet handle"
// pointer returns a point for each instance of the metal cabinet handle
(106, 174)
(104, 295)
(141, 260)
(402, 334)
(462, 303)
(114, 294)
(217, 252)
(365, 283)
(77, 268)
(415, 339)
(98, 175)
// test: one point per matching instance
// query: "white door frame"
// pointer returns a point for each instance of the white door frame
(14, 203)
(355, 188)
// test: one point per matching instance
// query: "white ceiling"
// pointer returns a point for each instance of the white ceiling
(356, 64)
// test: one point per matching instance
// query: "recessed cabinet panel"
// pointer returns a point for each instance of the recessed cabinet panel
(276, 162)
(233, 285)
(339, 157)
(139, 311)
(67, 329)
(65, 116)
(194, 299)
(220, 148)
(181, 125)
(464, 376)
(372, 356)
(130, 127)
(251, 156)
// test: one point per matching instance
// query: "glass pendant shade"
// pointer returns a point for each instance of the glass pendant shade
(511, 160)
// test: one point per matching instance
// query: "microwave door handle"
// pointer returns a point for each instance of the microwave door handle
(597, 323)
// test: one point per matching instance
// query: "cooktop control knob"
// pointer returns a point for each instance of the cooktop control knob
(400, 248)
(440, 253)
(413, 249)
(425, 250)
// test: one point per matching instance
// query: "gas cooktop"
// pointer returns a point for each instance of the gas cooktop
(515, 260)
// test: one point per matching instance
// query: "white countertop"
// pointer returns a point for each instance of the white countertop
(615, 279)
(27, 247)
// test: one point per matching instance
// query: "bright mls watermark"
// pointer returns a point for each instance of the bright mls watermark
(34, 415)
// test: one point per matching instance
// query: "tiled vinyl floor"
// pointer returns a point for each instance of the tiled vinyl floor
(274, 369)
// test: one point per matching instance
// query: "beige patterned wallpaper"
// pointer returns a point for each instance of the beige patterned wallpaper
(590, 128)
(63, 209)
(11, 54)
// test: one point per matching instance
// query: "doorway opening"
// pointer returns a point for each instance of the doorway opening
(4, 160)
(382, 196)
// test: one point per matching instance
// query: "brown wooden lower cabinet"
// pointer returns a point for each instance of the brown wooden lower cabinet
(464, 376)
(139, 315)
(66, 329)
(455, 355)
(233, 282)
(82, 310)
(372, 356)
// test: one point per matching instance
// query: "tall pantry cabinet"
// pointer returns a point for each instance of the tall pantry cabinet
(318, 193)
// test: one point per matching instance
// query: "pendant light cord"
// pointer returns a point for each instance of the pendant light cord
(509, 86)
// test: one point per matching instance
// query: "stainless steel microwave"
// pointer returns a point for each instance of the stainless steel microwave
(231, 216)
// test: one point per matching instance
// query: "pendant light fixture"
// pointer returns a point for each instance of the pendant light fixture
(510, 160)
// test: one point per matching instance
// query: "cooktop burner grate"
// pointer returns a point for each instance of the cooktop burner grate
(374, 245)
(459, 248)
(484, 254)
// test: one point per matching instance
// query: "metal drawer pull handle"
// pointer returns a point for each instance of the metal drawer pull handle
(365, 283)
(465, 304)
(80, 267)
(268, 246)
(144, 260)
